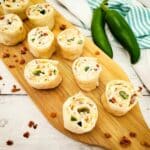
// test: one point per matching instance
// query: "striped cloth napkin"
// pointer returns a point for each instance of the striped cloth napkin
(138, 17)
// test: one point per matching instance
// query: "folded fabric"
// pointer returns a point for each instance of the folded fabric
(138, 17)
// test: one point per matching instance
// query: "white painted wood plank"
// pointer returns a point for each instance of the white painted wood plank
(18, 111)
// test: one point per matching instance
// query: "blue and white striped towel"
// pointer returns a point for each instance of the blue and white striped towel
(138, 17)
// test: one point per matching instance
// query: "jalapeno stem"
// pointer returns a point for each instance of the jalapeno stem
(103, 5)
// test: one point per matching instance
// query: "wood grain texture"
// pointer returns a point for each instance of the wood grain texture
(49, 101)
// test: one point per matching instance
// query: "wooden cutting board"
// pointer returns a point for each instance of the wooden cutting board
(49, 101)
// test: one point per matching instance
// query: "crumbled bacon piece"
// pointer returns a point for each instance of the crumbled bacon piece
(1, 78)
(26, 134)
(113, 100)
(9, 142)
(132, 134)
(140, 89)
(22, 61)
(97, 53)
(45, 34)
(125, 142)
(107, 135)
(133, 98)
(11, 66)
(30, 124)
(53, 115)
(1, 17)
(6, 55)
(35, 126)
(62, 27)
(145, 144)
(14, 55)
(15, 89)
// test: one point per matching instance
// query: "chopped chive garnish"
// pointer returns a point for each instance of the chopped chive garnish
(80, 42)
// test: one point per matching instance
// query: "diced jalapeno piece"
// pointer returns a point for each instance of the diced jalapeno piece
(73, 118)
(123, 94)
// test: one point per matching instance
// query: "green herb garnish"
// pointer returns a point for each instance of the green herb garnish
(37, 72)
(54, 72)
(123, 94)
(33, 39)
(80, 42)
(72, 39)
(42, 11)
(73, 118)
(86, 68)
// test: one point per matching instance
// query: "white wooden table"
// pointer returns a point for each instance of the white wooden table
(17, 109)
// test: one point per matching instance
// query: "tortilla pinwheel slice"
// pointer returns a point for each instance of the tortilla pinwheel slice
(71, 43)
(42, 74)
(16, 6)
(41, 14)
(41, 42)
(80, 114)
(12, 30)
(119, 97)
(86, 71)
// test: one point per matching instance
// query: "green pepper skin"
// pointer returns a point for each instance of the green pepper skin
(98, 32)
(123, 33)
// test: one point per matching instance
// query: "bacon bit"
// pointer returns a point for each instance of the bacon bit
(62, 27)
(23, 52)
(16, 60)
(30, 124)
(35, 126)
(6, 55)
(9, 142)
(1, 78)
(22, 61)
(133, 98)
(15, 89)
(53, 115)
(11, 66)
(107, 135)
(140, 89)
(97, 53)
(97, 65)
(14, 55)
(145, 144)
(132, 134)
(45, 34)
(26, 134)
(125, 142)
(113, 100)
(1, 17)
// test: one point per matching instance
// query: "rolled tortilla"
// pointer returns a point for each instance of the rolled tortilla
(16, 6)
(41, 14)
(119, 97)
(80, 114)
(71, 43)
(42, 74)
(86, 71)
(41, 42)
(12, 30)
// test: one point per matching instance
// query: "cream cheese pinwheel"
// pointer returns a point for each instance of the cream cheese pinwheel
(80, 114)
